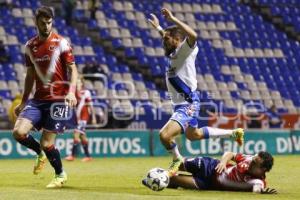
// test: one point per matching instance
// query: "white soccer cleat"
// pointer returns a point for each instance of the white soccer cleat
(58, 181)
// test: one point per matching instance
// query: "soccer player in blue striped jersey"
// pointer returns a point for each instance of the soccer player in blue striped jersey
(180, 45)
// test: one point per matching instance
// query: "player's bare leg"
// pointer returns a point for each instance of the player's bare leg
(84, 143)
(76, 143)
(53, 155)
(20, 133)
(209, 132)
(183, 181)
(167, 137)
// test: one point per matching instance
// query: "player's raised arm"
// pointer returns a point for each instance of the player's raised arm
(70, 98)
(227, 156)
(191, 34)
(155, 23)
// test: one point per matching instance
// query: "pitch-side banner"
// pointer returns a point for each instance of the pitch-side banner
(146, 143)
(276, 142)
(101, 144)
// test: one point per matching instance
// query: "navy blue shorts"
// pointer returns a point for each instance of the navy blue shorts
(202, 170)
(49, 115)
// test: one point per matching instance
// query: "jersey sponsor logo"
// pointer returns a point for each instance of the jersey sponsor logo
(52, 48)
(42, 59)
(55, 40)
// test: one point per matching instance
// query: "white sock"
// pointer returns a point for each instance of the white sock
(175, 151)
(210, 132)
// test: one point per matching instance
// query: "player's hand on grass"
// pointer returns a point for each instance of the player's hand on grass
(220, 167)
(154, 21)
(167, 14)
(268, 191)
(19, 108)
(70, 99)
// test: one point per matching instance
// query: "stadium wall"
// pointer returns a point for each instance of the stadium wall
(118, 143)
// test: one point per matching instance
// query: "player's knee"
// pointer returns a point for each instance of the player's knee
(76, 137)
(83, 137)
(189, 136)
(194, 134)
(45, 145)
(164, 136)
(19, 133)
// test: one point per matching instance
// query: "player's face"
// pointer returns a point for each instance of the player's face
(256, 169)
(44, 26)
(169, 43)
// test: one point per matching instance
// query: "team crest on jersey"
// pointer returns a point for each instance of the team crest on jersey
(34, 49)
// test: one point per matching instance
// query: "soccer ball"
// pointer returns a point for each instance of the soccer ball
(158, 179)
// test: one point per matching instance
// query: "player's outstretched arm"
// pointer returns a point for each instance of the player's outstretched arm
(192, 35)
(155, 23)
(70, 99)
(29, 81)
(227, 156)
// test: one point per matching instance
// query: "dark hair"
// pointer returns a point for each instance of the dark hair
(268, 160)
(175, 31)
(44, 11)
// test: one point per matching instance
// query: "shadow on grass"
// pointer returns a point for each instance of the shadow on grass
(116, 190)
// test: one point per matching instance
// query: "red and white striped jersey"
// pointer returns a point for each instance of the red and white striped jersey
(49, 58)
(84, 99)
(236, 177)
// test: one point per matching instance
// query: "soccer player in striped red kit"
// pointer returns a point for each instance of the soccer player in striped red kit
(233, 172)
(83, 112)
(51, 67)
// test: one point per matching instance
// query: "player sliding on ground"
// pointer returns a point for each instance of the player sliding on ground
(50, 66)
(83, 112)
(180, 45)
(234, 172)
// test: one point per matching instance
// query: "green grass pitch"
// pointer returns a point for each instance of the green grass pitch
(119, 178)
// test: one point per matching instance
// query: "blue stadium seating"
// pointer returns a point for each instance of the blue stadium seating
(239, 52)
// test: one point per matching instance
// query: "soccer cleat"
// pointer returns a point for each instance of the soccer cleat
(238, 136)
(86, 159)
(70, 158)
(58, 181)
(39, 163)
(173, 169)
(145, 183)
